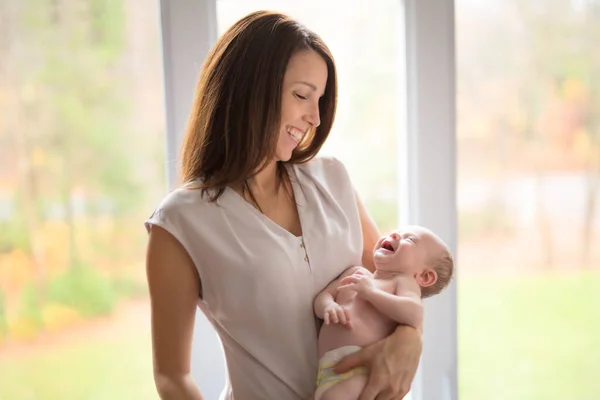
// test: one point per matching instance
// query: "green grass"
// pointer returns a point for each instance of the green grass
(529, 338)
(520, 338)
(97, 370)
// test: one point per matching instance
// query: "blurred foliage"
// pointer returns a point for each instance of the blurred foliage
(491, 220)
(78, 163)
(84, 290)
(13, 235)
(28, 320)
(528, 105)
(129, 288)
(3, 316)
(528, 85)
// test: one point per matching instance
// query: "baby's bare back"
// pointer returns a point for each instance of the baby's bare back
(367, 324)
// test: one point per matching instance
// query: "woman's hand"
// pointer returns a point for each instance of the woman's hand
(392, 364)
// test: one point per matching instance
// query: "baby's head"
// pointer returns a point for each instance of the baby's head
(417, 251)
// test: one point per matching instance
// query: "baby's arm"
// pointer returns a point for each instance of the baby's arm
(402, 308)
(325, 301)
(405, 310)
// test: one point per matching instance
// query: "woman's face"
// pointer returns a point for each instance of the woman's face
(303, 85)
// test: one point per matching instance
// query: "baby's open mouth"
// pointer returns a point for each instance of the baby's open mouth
(387, 245)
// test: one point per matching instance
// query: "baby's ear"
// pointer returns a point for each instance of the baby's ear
(427, 278)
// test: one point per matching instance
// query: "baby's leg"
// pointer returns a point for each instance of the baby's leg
(350, 389)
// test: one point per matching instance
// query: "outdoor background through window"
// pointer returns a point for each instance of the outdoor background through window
(528, 83)
(81, 167)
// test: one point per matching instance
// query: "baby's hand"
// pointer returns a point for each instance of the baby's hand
(336, 314)
(360, 283)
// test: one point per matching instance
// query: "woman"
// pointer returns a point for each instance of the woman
(260, 225)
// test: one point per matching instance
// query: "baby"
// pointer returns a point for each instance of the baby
(360, 308)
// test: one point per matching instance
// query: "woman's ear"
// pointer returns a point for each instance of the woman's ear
(427, 278)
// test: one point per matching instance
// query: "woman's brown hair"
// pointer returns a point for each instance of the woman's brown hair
(235, 122)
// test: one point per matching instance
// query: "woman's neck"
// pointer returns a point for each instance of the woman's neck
(266, 181)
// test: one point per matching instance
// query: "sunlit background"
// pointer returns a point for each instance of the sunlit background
(82, 165)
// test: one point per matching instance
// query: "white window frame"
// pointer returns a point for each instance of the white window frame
(427, 156)
(426, 162)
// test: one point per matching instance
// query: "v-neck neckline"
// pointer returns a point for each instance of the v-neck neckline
(298, 195)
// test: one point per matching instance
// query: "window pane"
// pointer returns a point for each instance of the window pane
(529, 199)
(364, 39)
(81, 165)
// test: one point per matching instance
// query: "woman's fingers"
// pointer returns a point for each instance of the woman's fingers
(350, 361)
(389, 394)
(373, 388)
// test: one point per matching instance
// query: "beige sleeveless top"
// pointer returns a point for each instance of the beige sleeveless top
(259, 281)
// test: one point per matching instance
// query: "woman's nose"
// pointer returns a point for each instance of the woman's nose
(313, 117)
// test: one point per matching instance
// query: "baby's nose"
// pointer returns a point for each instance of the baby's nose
(395, 236)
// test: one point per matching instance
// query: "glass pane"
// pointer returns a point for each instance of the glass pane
(364, 39)
(81, 163)
(529, 199)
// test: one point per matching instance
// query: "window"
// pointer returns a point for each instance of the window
(528, 195)
(81, 167)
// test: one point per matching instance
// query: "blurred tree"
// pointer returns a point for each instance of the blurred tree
(76, 107)
(564, 61)
(546, 40)
(64, 86)
(589, 39)
(535, 93)
(16, 102)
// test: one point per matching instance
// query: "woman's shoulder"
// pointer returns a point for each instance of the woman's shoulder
(182, 198)
(326, 169)
(180, 203)
(325, 166)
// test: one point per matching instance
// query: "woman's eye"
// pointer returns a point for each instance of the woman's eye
(300, 96)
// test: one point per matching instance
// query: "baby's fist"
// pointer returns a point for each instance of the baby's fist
(335, 314)
(360, 283)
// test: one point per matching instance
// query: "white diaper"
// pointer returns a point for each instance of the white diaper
(326, 378)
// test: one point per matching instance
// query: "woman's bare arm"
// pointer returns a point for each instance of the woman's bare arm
(174, 287)
(370, 234)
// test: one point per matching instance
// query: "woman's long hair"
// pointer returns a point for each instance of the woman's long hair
(235, 120)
